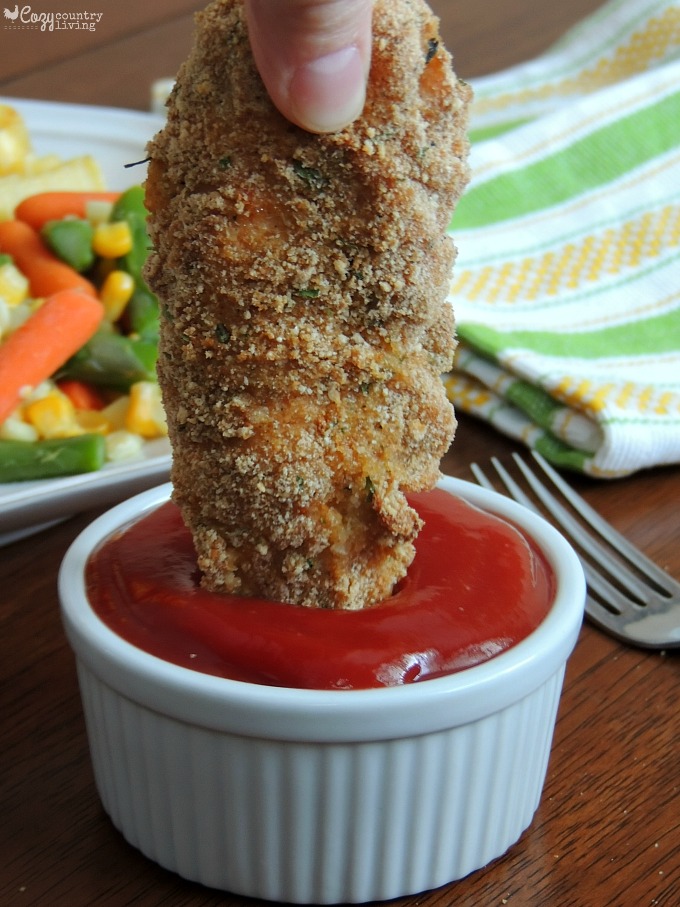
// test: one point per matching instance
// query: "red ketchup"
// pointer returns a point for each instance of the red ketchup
(476, 587)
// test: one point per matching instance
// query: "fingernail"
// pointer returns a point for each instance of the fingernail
(328, 93)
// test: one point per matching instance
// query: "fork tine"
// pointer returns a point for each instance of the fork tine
(593, 579)
(514, 489)
(597, 583)
(654, 622)
(589, 544)
(607, 531)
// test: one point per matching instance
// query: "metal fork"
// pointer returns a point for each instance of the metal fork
(629, 596)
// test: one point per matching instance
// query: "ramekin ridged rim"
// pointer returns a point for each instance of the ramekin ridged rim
(326, 715)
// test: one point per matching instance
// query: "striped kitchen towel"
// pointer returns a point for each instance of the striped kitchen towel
(567, 285)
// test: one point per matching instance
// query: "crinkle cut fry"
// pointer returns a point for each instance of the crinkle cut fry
(303, 282)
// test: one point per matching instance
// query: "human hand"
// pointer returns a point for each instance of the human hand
(314, 57)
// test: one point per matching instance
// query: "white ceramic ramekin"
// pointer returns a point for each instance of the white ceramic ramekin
(321, 797)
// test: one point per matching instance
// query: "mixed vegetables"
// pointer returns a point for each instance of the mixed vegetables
(78, 334)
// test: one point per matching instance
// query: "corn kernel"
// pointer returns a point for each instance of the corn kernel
(53, 416)
(98, 211)
(13, 284)
(115, 293)
(15, 429)
(112, 240)
(44, 389)
(15, 144)
(116, 412)
(123, 445)
(17, 314)
(92, 420)
(145, 414)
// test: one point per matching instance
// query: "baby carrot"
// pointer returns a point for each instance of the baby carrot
(42, 344)
(38, 209)
(45, 272)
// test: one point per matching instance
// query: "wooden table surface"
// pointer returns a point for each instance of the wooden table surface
(608, 829)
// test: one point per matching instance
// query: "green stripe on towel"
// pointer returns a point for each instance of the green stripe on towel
(598, 158)
(649, 337)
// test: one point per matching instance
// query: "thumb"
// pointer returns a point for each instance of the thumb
(313, 56)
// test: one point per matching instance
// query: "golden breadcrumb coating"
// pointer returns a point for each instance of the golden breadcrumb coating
(305, 329)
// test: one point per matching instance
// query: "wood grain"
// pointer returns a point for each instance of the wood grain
(607, 832)
(27, 50)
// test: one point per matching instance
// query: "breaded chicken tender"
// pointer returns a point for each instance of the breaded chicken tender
(305, 329)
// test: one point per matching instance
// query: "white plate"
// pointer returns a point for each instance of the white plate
(114, 138)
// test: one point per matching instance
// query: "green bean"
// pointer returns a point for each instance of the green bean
(141, 315)
(131, 209)
(113, 361)
(24, 460)
(143, 309)
(71, 241)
